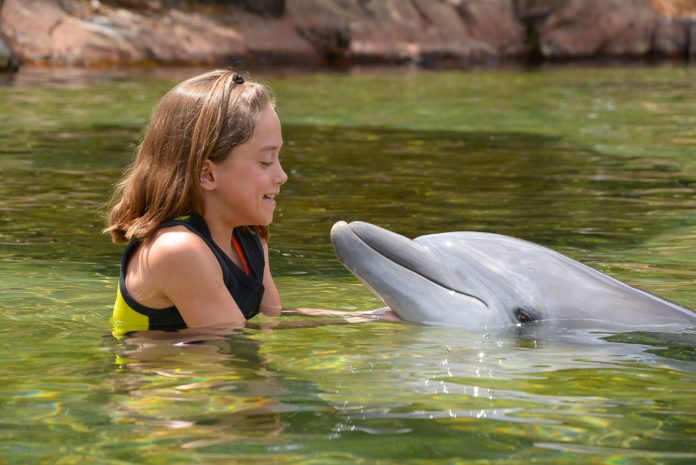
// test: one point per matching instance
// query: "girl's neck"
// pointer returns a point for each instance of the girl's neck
(221, 233)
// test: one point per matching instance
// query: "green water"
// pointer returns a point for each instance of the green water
(599, 164)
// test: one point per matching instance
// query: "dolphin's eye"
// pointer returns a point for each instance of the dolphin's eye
(523, 315)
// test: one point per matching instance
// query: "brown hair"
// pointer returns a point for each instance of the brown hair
(202, 118)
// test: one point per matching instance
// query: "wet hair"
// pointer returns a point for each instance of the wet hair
(202, 118)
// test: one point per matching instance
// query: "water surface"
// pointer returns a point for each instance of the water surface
(596, 163)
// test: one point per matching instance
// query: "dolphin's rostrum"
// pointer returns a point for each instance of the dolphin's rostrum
(482, 281)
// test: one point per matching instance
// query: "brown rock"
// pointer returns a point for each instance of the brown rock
(41, 31)
(675, 8)
(184, 37)
(593, 28)
(535, 10)
(424, 32)
(495, 22)
(28, 32)
(671, 37)
(331, 41)
(338, 32)
(310, 32)
(276, 42)
(8, 61)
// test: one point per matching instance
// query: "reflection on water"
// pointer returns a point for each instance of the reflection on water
(595, 163)
(365, 389)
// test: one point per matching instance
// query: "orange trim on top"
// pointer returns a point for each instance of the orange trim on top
(240, 253)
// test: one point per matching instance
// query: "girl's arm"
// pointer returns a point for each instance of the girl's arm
(383, 313)
(270, 303)
(185, 272)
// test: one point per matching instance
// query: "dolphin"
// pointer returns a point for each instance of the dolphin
(481, 281)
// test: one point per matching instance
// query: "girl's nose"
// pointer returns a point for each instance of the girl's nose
(281, 176)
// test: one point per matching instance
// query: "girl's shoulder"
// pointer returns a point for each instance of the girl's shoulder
(175, 240)
(171, 258)
(176, 249)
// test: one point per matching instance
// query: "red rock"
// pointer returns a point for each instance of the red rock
(389, 31)
(675, 8)
(272, 41)
(495, 22)
(591, 28)
(671, 37)
(8, 60)
(182, 37)
(41, 31)
(331, 32)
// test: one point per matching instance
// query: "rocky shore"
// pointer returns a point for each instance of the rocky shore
(338, 33)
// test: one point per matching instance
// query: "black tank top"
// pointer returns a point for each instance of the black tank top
(246, 289)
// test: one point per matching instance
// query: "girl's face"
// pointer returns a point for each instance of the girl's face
(246, 183)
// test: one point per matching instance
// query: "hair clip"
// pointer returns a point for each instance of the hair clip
(238, 79)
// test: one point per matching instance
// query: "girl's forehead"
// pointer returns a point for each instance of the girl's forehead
(268, 113)
(268, 121)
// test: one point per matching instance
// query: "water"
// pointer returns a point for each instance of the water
(596, 163)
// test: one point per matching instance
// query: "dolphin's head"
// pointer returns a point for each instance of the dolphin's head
(433, 279)
(481, 280)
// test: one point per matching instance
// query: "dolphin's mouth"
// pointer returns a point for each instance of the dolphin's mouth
(397, 249)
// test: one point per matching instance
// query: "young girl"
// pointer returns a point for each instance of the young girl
(195, 207)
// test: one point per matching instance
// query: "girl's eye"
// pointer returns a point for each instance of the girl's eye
(267, 164)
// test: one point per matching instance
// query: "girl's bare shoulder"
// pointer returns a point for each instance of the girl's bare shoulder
(177, 248)
(171, 260)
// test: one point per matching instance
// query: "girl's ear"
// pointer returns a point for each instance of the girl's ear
(208, 176)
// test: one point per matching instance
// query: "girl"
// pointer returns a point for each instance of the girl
(196, 205)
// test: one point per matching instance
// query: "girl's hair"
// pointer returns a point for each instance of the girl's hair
(202, 118)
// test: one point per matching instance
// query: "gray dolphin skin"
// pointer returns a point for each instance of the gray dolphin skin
(479, 280)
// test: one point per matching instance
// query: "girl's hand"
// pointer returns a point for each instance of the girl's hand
(383, 314)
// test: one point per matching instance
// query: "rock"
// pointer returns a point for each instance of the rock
(42, 31)
(595, 28)
(422, 32)
(331, 41)
(138, 5)
(429, 33)
(8, 61)
(270, 42)
(496, 23)
(675, 8)
(691, 41)
(671, 38)
(269, 8)
(182, 37)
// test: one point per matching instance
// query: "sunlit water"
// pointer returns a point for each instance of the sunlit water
(599, 164)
